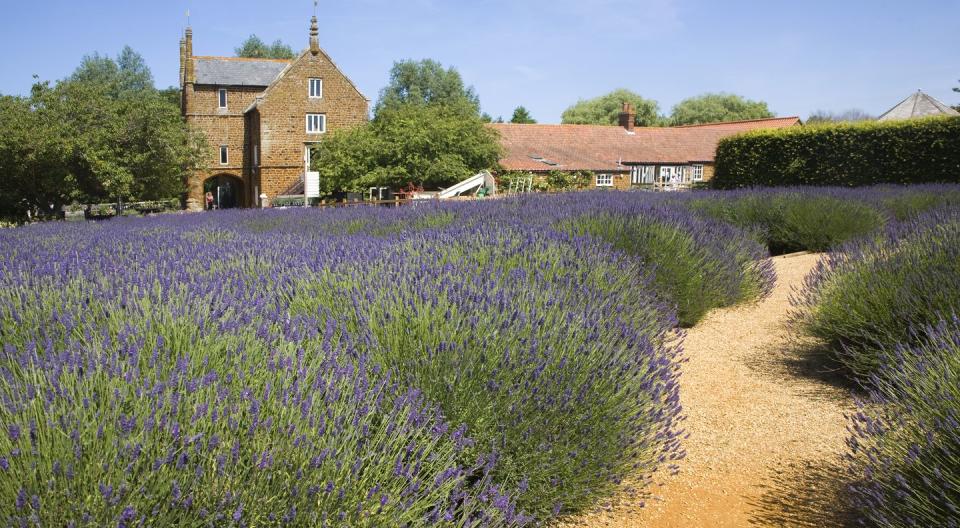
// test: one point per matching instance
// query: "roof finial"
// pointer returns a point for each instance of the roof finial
(314, 31)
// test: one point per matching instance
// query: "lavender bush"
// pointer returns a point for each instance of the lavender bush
(873, 293)
(905, 438)
(465, 365)
(149, 375)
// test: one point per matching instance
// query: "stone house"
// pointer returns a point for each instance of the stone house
(624, 156)
(260, 118)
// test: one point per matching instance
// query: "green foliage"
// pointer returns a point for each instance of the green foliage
(716, 107)
(904, 445)
(569, 181)
(522, 116)
(254, 48)
(788, 222)
(875, 294)
(605, 110)
(691, 275)
(430, 145)
(427, 83)
(101, 134)
(917, 151)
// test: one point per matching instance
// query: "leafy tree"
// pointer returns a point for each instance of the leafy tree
(172, 94)
(255, 48)
(848, 116)
(427, 82)
(605, 110)
(101, 134)
(522, 116)
(431, 145)
(717, 107)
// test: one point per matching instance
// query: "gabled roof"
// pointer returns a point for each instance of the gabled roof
(233, 71)
(610, 148)
(918, 105)
(289, 64)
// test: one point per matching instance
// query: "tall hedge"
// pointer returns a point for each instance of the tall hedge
(918, 151)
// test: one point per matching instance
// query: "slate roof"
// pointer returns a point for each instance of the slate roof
(609, 148)
(918, 105)
(232, 71)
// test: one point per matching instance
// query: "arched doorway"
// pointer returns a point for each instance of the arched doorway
(226, 191)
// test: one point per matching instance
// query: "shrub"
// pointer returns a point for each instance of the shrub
(871, 293)
(918, 151)
(518, 337)
(696, 265)
(479, 366)
(200, 400)
(793, 221)
(904, 445)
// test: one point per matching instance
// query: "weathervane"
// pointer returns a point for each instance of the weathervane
(188, 17)
(315, 2)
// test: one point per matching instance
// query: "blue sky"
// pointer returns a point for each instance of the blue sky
(798, 55)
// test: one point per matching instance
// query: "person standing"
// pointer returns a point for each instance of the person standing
(209, 201)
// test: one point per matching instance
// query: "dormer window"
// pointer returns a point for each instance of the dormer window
(316, 88)
(223, 98)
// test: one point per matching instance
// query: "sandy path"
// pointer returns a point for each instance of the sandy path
(766, 427)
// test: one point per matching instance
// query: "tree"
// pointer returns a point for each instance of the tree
(847, 116)
(606, 109)
(101, 134)
(522, 116)
(717, 107)
(254, 48)
(431, 145)
(427, 82)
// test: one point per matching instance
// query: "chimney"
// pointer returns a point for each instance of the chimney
(188, 56)
(628, 117)
(314, 36)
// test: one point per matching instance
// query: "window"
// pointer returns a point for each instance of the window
(604, 180)
(223, 98)
(697, 173)
(256, 155)
(224, 157)
(316, 88)
(316, 123)
(641, 174)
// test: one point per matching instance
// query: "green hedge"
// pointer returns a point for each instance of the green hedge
(918, 151)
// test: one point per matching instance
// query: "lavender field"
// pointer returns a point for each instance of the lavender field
(496, 363)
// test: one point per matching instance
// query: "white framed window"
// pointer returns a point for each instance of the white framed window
(316, 123)
(222, 97)
(666, 174)
(641, 174)
(697, 173)
(224, 155)
(604, 180)
(316, 88)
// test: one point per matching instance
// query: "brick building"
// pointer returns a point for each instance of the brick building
(623, 156)
(260, 118)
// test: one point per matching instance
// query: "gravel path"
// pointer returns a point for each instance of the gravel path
(766, 427)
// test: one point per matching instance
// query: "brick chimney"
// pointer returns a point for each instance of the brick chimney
(628, 117)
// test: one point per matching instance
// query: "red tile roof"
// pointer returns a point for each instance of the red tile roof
(606, 148)
(750, 124)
